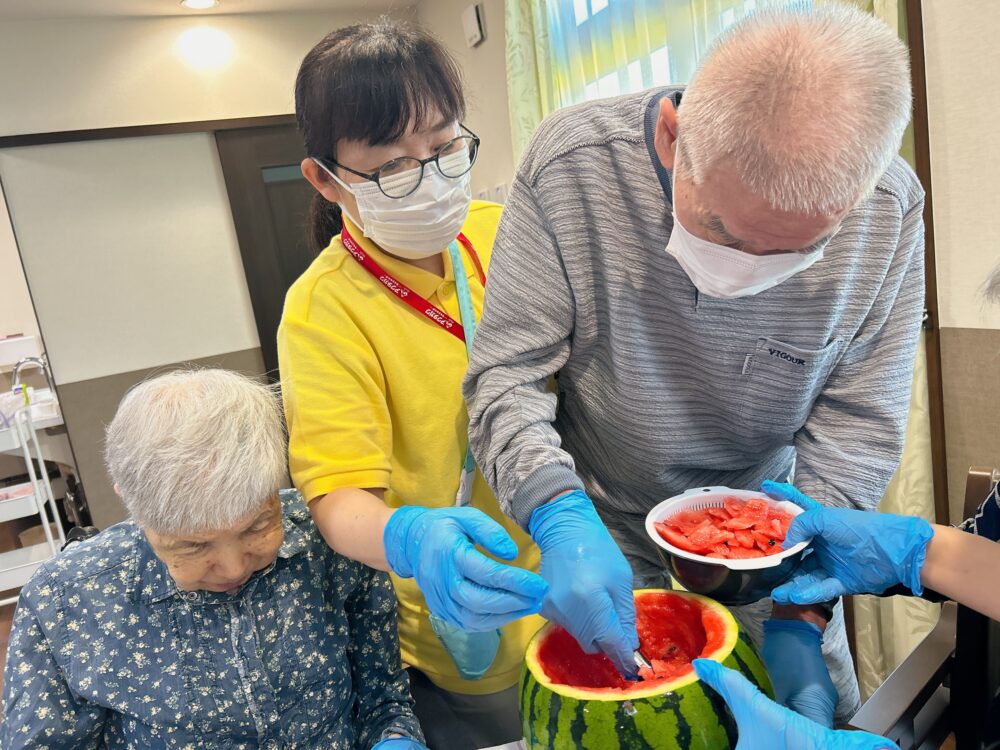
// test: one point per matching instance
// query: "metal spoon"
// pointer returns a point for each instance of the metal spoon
(641, 662)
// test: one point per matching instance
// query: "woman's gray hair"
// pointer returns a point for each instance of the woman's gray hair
(196, 450)
(809, 105)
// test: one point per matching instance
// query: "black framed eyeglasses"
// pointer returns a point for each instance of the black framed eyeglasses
(399, 177)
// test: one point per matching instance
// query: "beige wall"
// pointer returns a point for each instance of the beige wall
(963, 81)
(78, 73)
(136, 263)
(16, 315)
(485, 72)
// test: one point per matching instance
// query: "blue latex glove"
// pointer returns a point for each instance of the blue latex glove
(461, 585)
(398, 743)
(590, 582)
(853, 551)
(794, 660)
(764, 725)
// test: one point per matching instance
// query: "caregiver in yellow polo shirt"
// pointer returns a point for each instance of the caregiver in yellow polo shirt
(373, 346)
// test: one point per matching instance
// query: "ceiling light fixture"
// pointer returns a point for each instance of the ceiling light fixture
(199, 4)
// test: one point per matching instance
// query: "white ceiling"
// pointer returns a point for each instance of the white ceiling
(105, 8)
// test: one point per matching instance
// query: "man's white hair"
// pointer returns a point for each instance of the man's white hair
(196, 450)
(810, 106)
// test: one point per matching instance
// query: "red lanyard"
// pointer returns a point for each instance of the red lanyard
(407, 295)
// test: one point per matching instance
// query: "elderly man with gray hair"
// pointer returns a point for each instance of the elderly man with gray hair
(216, 617)
(727, 280)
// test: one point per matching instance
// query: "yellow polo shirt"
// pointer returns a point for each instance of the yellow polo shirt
(372, 393)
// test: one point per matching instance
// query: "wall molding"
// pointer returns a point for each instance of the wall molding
(137, 131)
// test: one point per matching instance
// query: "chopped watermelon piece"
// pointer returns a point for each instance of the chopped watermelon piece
(738, 529)
(745, 554)
(675, 538)
(733, 505)
(744, 538)
(756, 509)
(765, 542)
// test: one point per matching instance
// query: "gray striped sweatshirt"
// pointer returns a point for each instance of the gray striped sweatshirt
(661, 389)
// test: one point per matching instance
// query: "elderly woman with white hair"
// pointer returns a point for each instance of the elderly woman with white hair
(216, 617)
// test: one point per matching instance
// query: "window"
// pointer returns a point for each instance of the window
(604, 48)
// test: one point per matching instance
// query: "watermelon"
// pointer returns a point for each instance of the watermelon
(571, 700)
(734, 530)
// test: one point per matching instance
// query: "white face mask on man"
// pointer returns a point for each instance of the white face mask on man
(727, 273)
(422, 223)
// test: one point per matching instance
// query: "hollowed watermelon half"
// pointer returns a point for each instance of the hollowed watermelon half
(572, 700)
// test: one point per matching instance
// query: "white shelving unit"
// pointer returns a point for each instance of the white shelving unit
(25, 500)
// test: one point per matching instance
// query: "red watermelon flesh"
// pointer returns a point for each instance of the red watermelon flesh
(672, 632)
(739, 529)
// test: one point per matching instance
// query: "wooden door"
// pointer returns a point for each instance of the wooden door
(270, 203)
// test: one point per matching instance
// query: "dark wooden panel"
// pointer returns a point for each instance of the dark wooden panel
(135, 131)
(289, 201)
(971, 404)
(269, 219)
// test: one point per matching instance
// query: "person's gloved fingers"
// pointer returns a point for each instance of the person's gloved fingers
(783, 491)
(491, 601)
(804, 527)
(486, 532)
(476, 567)
(810, 589)
(791, 591)
(815, 703)
(623, 600)
(613, 641)
(616, 647)
(738, 692)
(586, 613)
(478, 622)
(440, 601)
(808, 572)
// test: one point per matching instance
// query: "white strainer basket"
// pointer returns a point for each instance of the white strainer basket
(713, 497)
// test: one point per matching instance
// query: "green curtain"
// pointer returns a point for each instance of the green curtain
(561, 52)
(621, 41)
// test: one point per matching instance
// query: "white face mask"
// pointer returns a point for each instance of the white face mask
(728, 273)
(424, 222)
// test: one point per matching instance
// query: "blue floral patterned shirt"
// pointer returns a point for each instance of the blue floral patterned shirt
(105, 651)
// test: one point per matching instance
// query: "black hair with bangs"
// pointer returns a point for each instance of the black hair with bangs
(372, 83)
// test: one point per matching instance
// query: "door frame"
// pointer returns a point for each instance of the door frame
(932, 320)
(137, 131)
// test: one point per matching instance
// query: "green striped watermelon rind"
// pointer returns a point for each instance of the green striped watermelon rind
(682, 715)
